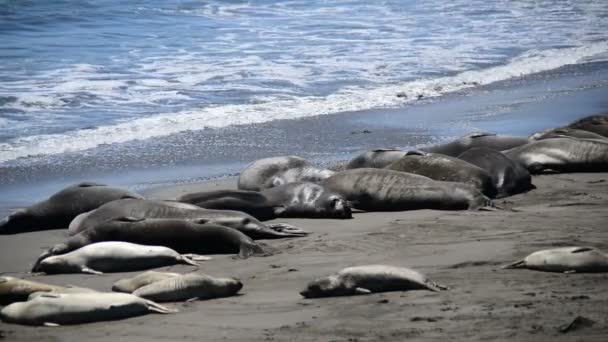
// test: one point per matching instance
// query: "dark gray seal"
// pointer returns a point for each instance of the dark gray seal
(562, 154)
(565, 131)
(58, 210)
(183, 236)
(269, 172)
(377, 159)
(168, 209)
(509, 177)
(388, 190)
(477, 139)
(445, 168)
(596, 123)
(298, 199)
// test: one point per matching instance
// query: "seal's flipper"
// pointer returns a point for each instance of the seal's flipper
(155, 307)
(433, 286)
(127, 219)
(287, 229)
(90, 271)
(197, 257)
(362, 291)
(252, 249)
(517, 264)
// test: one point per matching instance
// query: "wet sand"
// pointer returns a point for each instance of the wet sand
(464, 250)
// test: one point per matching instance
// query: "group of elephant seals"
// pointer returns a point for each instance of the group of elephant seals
(369, 279)
(477, 139)
(52, 309)
(188, 287)
(564, 154)
(565, 259)
(376, 159)
(597, 124)
(445, 168)
(112, 256)
(270, 172)
(297, 199)
(18, 290)
(58, 211)
(388, 190)
(149, 209)
(509, 177)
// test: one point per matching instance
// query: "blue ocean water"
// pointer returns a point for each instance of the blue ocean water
(75, 75)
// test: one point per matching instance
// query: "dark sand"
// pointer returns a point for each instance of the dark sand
(461, 249)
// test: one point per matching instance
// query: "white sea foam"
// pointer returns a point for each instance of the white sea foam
(288, 106)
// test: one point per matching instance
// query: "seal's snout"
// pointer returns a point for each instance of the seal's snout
(305, 293)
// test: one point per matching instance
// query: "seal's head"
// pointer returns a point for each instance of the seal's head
(19, 221)
(57, 264)
(322, 287)
(338, 207)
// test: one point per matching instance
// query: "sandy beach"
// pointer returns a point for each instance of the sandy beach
(464, 250)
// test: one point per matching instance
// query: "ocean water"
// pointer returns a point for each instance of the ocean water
(78, 76)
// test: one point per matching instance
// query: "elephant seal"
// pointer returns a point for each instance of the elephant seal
(596, 123)
(564, 154)
(509, 177)
(369, 279)
(269, 172)
(565, 259)
(183, 236)
(565, 131)
(112, 256)
(388, 190)
(189, 286)
(131, 284)
(298, 199)
(18, 290)
(53, 309)
(376, 159)
(445, 168)
(477, 139)
(175, 210)
(58, 210)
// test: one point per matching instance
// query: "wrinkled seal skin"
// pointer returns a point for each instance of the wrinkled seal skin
(182, 236)
(565, 259)
(131, 284)
(75, 308)
(388, 190)
(490, 140)
(563, 154)
(298, 199)
(597, 124)
(18, 290)
(189, 286)
(565, 131)
(111, 256)
(445, 168)
(369, 279)
(270, 172)
(509, 177)
(58, 210)
(175, 210)
(377, 159)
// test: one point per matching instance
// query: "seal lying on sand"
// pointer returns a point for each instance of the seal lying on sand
(298, 199)
(270, 172)
(445, 168)
(596, 123)
(175, 210)
(189, 286)
(478, 139)
(369, 279)
(180, 235)
(565, 131)
(387, 190)
(58, 210)
(18, 290)
(131, 284)
(565, 259)
(562, 154)
(54, 309)
(509, 177)
(377, 159)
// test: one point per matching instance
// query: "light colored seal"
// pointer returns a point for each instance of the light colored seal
(388, 190)
(58, 210)
(564, 154)
(445, 168)
(565, 259)
(565, 131)
(52, 309)
(477, 139)
(112, 256)
(269, 172)
(131, 284)
(240, 221)
(376, 159)
(596, 123)
(18, 290)
(188, 287)
(369, 279)
(509, 177)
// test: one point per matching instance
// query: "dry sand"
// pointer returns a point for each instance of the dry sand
(461, 249)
